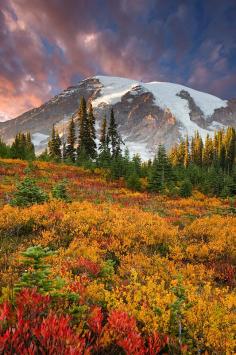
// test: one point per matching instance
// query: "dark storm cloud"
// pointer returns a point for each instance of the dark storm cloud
(46, 44)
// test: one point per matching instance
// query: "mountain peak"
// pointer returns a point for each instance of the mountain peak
(147, 113)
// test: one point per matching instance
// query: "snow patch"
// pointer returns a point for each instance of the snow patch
(216, 126)
(39, 138)
(113, 88)
(166, 97)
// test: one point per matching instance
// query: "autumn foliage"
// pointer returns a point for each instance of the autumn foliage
(129, 272)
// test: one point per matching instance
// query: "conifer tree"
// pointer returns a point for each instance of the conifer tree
(30, 151)
(161, 172)
(174, 156)
(208, 152)
(28, 193)
(37, 273)
(186, 153)
(230, 149)
(185, 188)
(114, 137)
(133, 181)
(92, 133)
(54, 145)
(71, 140)
(84, 133)
(60, 192)
(5, 151)
(103, 135)
(181, 153)
(196, 149)
(104, 157)
(22, 147)
(137, 164)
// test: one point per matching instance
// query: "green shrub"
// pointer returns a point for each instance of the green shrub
(59, 191)
(28, 193)
(133, 182)
(185, 189)
(38, 272)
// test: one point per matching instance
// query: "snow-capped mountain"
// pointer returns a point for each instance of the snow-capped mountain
(147, 113)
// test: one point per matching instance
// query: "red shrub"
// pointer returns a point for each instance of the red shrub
(95, 320)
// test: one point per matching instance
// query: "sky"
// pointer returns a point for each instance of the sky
(48, 45)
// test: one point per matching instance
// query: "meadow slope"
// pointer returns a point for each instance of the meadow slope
(136, 273)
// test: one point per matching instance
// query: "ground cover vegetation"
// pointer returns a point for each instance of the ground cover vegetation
(91, 265)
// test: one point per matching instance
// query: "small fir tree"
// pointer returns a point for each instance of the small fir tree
(60, 192)
(28, 193)
(185, 189)
(37, 273)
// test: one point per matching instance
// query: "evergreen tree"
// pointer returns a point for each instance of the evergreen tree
(174, 156)
(114, 137)
(54, 145)
(84, 131)
(28, 193)
(71, 140)
(92, 133)
(58, 147)
(59, 191)
(196, 149)
(137, 164)
(186, 153)
(133, 181)
(208, 152)
(185, 189)
(181, 153)
(161, 172)
(230, 149)
(30, 151)
(104, 156)
(38, 272)
(22, 147)
(117, 167)
(5, 150)
(103, 136)
(44, 156)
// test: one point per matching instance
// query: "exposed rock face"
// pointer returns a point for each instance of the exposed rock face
(195, 112)
(147, 114)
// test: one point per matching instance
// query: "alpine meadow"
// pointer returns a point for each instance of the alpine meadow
(118, 193)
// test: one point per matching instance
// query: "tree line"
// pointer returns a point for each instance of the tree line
(21, 148)
(208, 166)
(80, 146)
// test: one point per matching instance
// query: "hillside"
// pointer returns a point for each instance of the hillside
(148, 114)
(131, 272)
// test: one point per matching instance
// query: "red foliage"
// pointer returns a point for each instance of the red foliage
(95, 320)
(31, 328)
(88, 266)
(56, 336)
(156, 343)
(124, 328)
(225, 272)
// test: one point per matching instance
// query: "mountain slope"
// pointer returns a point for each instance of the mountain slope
(147, 113)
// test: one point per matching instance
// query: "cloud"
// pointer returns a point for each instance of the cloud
(45, 45)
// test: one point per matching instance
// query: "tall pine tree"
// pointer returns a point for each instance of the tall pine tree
(71, 141)
(114, 137)
(104, 156)
(92, 133)
(54, 145)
